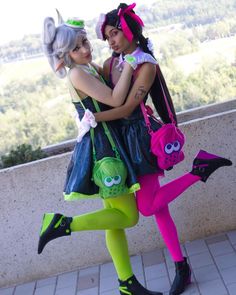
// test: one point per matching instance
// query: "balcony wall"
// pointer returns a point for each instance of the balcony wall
(27, 191)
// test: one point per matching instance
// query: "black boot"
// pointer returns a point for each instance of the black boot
(54, 226)
(133, 287)
(182, 277)
(205, 164)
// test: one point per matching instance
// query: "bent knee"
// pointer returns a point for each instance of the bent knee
(145, 211)
(133, 220)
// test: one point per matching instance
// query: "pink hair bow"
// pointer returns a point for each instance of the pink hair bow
(124, 26)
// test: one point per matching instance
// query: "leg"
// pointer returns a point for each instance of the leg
(170, 191)
(203, 166)
(169, 233)
(170, 236)
(145, 201)
(122, 214)
(118, 248)
(151, 197)
(145, 196)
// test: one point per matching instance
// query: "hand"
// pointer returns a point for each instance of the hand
(85, 124)
(139, 57)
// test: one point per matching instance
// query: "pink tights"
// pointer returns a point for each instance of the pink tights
(153, 199)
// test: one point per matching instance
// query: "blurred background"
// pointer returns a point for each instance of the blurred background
(194, 42)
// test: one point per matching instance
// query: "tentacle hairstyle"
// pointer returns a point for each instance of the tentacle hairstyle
(59, 40)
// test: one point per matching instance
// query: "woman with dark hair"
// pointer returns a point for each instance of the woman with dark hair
(122, 28)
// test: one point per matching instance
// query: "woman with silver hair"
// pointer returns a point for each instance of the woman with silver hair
(67, 46)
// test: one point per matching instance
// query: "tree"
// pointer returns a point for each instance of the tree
(22, 154)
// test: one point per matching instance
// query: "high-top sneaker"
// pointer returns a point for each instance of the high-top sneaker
(205, 164)
(133, 287)
(54, 225)
(182, 277)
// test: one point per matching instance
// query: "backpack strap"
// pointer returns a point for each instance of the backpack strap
(107, 132)
(74, 94)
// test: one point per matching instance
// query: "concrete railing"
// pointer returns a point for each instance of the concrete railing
(27, 191)
(207, 110)
(195, 113)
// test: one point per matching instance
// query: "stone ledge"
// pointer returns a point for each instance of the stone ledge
(184, 116)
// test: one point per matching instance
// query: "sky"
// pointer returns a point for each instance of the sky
(27, 15)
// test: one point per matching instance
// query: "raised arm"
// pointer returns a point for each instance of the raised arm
(141, 87)
(93, 87)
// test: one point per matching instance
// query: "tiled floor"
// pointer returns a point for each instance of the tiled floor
(213, 263)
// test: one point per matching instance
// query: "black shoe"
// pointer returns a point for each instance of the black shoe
(133, 287)
(182, 277)
(205, 164)
(54, 226)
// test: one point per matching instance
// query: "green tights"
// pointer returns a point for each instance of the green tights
(118, 213)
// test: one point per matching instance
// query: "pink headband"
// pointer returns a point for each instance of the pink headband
(124, 26)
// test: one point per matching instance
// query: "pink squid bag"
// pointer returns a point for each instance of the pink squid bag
(167, 142)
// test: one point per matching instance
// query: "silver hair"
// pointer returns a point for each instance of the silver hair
(57, 42)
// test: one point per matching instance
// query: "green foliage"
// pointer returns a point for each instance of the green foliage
(179, 43)
(214, 82)
(22, 154)
(36, 112)
(192, 13)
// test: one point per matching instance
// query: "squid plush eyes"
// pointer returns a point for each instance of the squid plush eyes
(117, 179)
(169, 148)
(172, 147)
(176, 146)
(110, 181)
